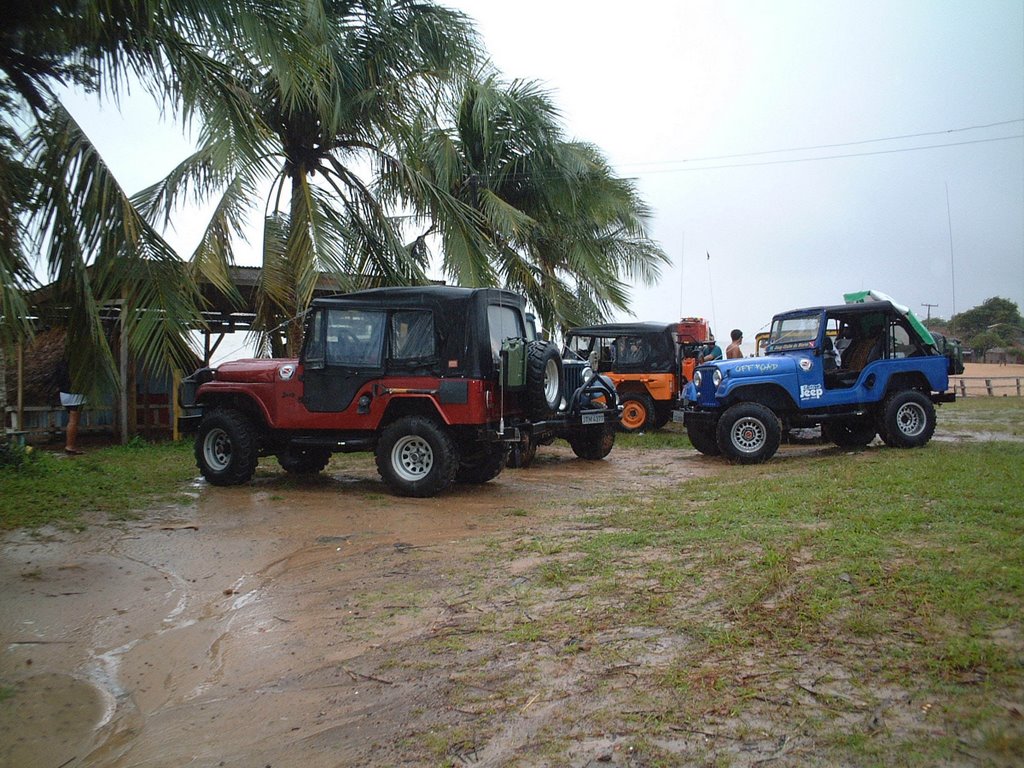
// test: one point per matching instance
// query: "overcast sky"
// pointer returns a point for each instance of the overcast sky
(698, 100)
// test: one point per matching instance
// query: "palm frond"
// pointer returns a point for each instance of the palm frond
(101, 252)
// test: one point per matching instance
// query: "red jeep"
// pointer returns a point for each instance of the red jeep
(439, 382)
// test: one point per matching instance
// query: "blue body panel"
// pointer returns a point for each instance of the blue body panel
(801, 375)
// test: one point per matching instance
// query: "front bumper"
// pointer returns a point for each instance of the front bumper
(188, 423)
(690, 413)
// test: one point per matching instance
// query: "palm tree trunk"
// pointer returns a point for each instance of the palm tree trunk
(292, 308)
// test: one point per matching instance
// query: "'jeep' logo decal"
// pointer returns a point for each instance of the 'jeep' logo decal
(810, 391)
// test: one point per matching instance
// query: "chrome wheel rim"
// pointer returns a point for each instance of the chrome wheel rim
(217, 449)
(551, 383)
(910, 419)
(412, 458)
(749, 435)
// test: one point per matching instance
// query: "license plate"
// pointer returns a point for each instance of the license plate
(593, 418)
(678, 416)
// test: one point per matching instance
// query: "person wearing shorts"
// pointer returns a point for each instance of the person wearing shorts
(72, 403)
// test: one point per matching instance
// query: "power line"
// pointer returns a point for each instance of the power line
(627, 168)
(832, 146)
(829, 157)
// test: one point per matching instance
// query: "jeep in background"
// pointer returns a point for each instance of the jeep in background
(437, 381)
(953, 349)
(649, 364)
(857, 370)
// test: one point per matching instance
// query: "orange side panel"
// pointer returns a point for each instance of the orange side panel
(660, 386)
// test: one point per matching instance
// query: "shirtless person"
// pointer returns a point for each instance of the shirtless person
(733, 351)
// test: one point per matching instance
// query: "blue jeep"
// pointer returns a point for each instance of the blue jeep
(856, 369)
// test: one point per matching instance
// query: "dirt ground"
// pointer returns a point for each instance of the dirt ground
(1003, 379)
(289, 623)
(235, 631)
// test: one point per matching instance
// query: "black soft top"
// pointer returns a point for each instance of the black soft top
(460, 319)
(654, 350)
(865, 308)
(623, 329)
(423, 296)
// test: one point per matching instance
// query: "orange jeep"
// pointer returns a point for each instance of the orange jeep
(649, 364)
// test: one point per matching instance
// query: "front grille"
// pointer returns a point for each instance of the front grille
(572, 376)
(706, 394)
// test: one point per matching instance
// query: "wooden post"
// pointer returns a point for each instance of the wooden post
(175, 405)
(20, 353)
(988, 386)
(123, 394)
(963, 388)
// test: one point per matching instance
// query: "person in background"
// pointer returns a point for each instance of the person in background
(733, 351)
(711, 351)
(72, 403)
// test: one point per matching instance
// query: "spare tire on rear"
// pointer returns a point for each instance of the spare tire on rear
(543, 379)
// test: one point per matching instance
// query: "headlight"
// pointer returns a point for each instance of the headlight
(588, 374)
(697, 379)
(716, 378)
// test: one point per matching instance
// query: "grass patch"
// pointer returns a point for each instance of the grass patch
(837, 585)
(987, 415)
(117, 481)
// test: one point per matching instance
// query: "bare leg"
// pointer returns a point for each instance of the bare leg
(71, 441)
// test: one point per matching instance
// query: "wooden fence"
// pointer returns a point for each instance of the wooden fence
(987, 386)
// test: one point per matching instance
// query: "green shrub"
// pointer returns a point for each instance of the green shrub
(15, 456)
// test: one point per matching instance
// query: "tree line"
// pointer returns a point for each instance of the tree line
(387, 140)
(996, 322)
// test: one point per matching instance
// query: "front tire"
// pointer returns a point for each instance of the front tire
(637, 412)
(704, 438)
(227, 447)
(849, 433)
(592, 442)
(749, 433)
(416, 457)
(908, 420)
(543, 379)
(662, 414)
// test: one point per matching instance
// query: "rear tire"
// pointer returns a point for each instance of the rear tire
(416, 457)
(227, 447)
(749, 433)
(481, 462)
(543, 379)
(304, 461)
(849, 433)
(522, 454)
(637, 412)
(908, 419)
(592, 442)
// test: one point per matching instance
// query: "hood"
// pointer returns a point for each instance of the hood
(748, 367)
(259, 370)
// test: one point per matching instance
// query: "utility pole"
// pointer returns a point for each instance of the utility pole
(923, 304)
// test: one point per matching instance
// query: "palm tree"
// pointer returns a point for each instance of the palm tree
(63, 200)
(324, 123)
(556, 223)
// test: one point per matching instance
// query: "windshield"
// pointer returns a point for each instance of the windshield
(800, 332)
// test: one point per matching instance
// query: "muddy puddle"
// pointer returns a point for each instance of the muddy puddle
(233, 631)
